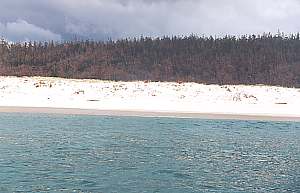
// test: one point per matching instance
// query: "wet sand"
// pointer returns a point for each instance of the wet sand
(140, 113)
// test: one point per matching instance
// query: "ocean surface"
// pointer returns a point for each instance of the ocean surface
(58, 153)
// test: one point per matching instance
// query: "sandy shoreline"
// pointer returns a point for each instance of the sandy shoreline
(214, 116)
(148, 99)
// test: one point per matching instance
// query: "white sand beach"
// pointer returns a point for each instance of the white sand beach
(170, 99)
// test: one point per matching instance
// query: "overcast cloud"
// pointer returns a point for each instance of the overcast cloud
(22, 20)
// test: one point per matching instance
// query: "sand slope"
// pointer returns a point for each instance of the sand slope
(164, 97)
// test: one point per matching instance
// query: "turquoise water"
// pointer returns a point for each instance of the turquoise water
(53, 153)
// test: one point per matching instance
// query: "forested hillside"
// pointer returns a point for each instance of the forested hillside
(266, 59)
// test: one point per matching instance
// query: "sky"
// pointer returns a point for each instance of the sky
(58, 20)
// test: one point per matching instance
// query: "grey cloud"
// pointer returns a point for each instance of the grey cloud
(100, 19)
(22, 31)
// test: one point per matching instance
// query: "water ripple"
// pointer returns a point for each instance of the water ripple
(47, 153)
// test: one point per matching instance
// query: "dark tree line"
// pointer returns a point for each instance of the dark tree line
(267, 59)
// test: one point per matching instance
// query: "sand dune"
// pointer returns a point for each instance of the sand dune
(149, 97)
